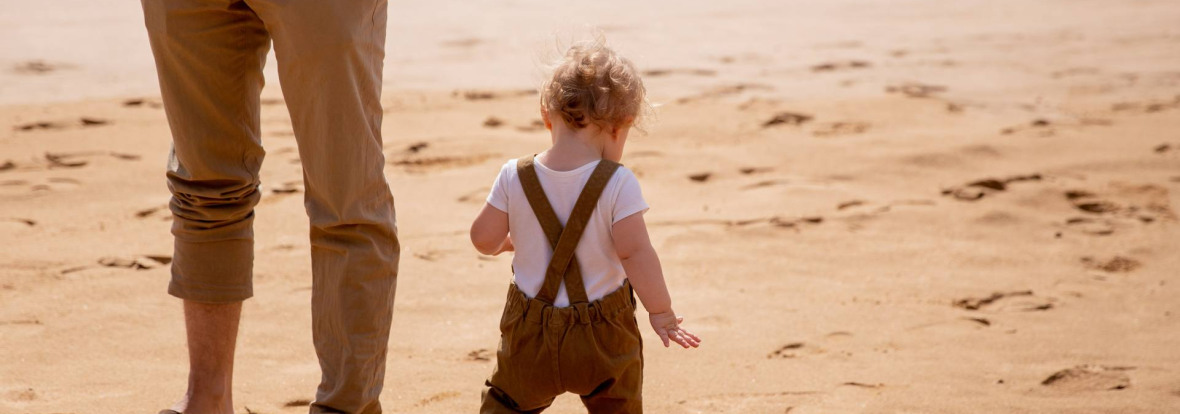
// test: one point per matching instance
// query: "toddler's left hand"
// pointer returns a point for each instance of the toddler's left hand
(667, 326)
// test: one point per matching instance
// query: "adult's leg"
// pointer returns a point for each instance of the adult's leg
(209, 56)
(330, 59)
(212, 330)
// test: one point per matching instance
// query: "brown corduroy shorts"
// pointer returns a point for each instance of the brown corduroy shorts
(593, 350)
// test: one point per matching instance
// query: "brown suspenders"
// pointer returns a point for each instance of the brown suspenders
(564, 265)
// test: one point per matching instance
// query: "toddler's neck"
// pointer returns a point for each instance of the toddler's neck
(572, 148)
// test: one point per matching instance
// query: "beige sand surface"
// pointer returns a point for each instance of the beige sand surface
(796, 170)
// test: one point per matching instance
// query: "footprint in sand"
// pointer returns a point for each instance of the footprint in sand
(655, 73)
(479, 355)
(417, 147)
(533, 126)
(143, 262)
(773, 221)
(39, 125)
(1089, 378)
(477, 196)
(834, 129)
(723, 91)
(63, 161)
(850, 204)
(23, 321)
(162, 212)
(87, 122)
(793, 350)
(288, 187)
(787, 118)
(429, 255)
(21, 395)
(48, 184)
(478, 95)
(1116, 264)
(298, 402)
(1091, 226)
(1074, 72)
(796, 223)
(446, 395)
(750, 402)
(916, 90)
(1166, 148)
(493, 122)
(700, 177)
(138, 102)
(760, 104)
(863, 385)
(975, 322)
(646, 154)
(1152, 106)
(1143, 203)
(764, 183)
(51, 125)
(1013, 301)
(979, 321)
(755, 170)
(836, 66)
(1042, 127)
(36, 67)
(426, 164)
(21, 221)
(786, 351)
(77, 159)
(977, 189)
(462, 43)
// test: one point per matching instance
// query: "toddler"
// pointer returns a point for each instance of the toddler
(574, 217)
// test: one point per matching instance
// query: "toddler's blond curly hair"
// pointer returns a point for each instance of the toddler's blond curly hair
(593, 85)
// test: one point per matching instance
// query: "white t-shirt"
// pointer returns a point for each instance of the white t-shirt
(602, 272)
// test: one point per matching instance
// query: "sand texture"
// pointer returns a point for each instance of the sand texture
(861, 206)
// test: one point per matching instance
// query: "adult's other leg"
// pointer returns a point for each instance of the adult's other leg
(330, 57)
(209, 56)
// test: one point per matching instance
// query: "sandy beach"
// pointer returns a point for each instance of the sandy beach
(862, 207)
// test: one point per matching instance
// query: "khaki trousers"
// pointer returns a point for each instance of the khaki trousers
(209, 56)
(593, 350)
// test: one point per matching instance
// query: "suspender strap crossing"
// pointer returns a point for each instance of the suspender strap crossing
(564, 265)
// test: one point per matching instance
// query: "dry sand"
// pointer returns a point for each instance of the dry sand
(901, 207)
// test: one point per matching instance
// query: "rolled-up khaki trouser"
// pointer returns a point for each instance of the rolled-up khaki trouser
(209, 57)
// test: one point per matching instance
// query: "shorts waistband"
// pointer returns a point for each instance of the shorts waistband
(536, 311)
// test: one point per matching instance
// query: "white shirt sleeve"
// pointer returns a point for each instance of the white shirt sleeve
(498, 197)
(630, 198)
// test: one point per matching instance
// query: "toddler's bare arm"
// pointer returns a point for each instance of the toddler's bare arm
(643, 269)
(489, 232)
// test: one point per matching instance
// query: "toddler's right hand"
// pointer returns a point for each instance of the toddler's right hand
(667, 326)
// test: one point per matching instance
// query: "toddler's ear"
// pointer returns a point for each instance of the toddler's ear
(545, 118)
